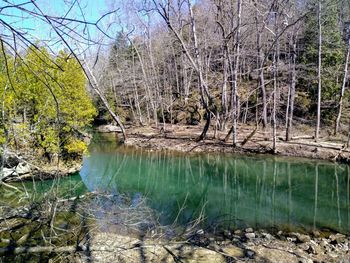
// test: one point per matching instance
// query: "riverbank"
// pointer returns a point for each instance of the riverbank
(21, 167)
(238, 246)
(183, 138)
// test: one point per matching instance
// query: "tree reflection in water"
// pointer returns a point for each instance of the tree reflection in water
(235, 191)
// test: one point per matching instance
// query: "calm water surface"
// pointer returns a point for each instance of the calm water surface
(227, 190)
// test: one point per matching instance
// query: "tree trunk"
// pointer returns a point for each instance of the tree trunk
(137, 101)
(97, 90)
(275, 54)
(235, 73)
(224, 103)
(319, 72)
(292, 89)
(207, 101)
(195, 61)
(146, 83)
(261, 78)
(340, 105)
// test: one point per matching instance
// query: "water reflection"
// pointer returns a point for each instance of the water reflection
(234, 191)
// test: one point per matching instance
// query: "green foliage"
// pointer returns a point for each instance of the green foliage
(189, 113)
(302, 103)
(75, 146)
(49, 99)
(2, 136)
(333, 48)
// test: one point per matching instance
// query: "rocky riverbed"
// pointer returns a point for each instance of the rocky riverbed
(237, 246)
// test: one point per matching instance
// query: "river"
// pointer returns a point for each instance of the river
(222, 190)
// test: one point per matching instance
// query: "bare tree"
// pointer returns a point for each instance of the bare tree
(291, 92)
(319, 92)
(196, 62)
(235, 72)
(260, 65)
(342, 90)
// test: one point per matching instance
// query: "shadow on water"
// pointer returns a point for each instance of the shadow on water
(225, 190)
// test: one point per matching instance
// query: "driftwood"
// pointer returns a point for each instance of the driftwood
(249, 136)
(330, 146)
(227, 137)
(302, 137)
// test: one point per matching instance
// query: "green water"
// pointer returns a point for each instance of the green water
(227, 190)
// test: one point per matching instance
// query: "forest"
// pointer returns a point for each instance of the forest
(269, 64)
(265, 63)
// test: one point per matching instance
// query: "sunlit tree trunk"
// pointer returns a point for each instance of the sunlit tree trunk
(97, 90)
(235, 73)
(260, 67)
(207, 100)
(290, 108)
(275, 61)
(146, 83)
(342, 91)
(319, 72)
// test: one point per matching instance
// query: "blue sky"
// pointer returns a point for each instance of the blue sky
(36, 29)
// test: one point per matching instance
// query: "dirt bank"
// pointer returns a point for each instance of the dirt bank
(183, 139)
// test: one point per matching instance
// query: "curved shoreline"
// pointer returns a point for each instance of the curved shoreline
(183, 139)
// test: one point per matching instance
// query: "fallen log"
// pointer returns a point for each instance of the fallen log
(227, 137)
(319, 145)
(303, 137)
(249, 136)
